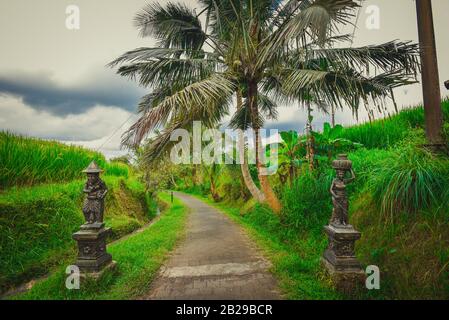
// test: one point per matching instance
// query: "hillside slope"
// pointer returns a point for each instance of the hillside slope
(37, 220)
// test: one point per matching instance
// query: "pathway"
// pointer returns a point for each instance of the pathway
(216, 260)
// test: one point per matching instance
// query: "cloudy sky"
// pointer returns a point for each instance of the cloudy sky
(54, 83)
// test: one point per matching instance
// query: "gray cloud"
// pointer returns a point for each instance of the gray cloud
(42, 93)
(96, 123)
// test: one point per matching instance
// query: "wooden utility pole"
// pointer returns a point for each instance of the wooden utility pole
(430, 77)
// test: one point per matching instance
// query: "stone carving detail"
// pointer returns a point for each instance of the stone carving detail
(95, 189)
(86, 249)
(342, 166)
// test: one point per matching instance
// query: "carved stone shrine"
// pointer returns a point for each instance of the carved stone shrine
(91, 238)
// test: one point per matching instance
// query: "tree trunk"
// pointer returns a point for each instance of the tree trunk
(310, 140)
(255, 192)
(173, 181)
(333, 116)
(213, 190)
(430, 78)
(291, 170)
(270, 196)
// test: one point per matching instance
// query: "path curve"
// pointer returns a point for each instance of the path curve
(215, 261)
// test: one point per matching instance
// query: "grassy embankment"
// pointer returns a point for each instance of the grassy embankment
(40, 204)
(400, 203)
(138, 259)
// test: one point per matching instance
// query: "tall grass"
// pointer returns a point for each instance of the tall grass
(139, 257)
(387, 132)
(410, 180)
(307, 205)
(27, 161)
(37, 223)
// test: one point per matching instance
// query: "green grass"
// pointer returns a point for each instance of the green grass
(412, 253)
(27, 161)
(400, 203)
(295, 258)
(138, 257)
(37, 223)
(385, 133)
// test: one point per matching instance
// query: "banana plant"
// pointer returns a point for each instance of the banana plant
(290, 155)
(329, 142)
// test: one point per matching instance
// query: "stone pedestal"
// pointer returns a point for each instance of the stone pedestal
(340, 260)
(92, 255)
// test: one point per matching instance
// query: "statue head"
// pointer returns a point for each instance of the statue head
(93, 172)
(341, 174)
(92, 178)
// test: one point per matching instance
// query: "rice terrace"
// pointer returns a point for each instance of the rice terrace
(254, 152)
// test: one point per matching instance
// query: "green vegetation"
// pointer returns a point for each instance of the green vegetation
(262, 53)
(37, 220)
(28, 161)
(384, 133)
(399, 201)
(138, 259)
(37, 223)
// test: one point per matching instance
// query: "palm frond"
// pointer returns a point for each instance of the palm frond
(317, 19)
(169, 71)
(242, 117)
(345, 87)
(199, 99)
(174, 25)
(388, 56)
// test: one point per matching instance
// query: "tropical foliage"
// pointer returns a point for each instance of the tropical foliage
(265, 52)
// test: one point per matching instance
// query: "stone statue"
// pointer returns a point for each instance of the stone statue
(95, 188)
(338, 191)
(93, 258)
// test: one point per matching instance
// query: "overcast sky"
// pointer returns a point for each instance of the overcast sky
(54, 83)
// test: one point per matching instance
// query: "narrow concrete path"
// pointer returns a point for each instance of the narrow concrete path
(216, 260)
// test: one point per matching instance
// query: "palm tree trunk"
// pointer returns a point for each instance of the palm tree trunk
(430, 78)
(255, 192)
(291, 170)
(270, 196)
(310, 141)
(333, 116)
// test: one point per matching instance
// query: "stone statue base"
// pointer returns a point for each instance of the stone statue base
(92, 226)
(339, 258)
(92, 255)
(112, 266)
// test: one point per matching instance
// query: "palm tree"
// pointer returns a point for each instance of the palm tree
(267, 52)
